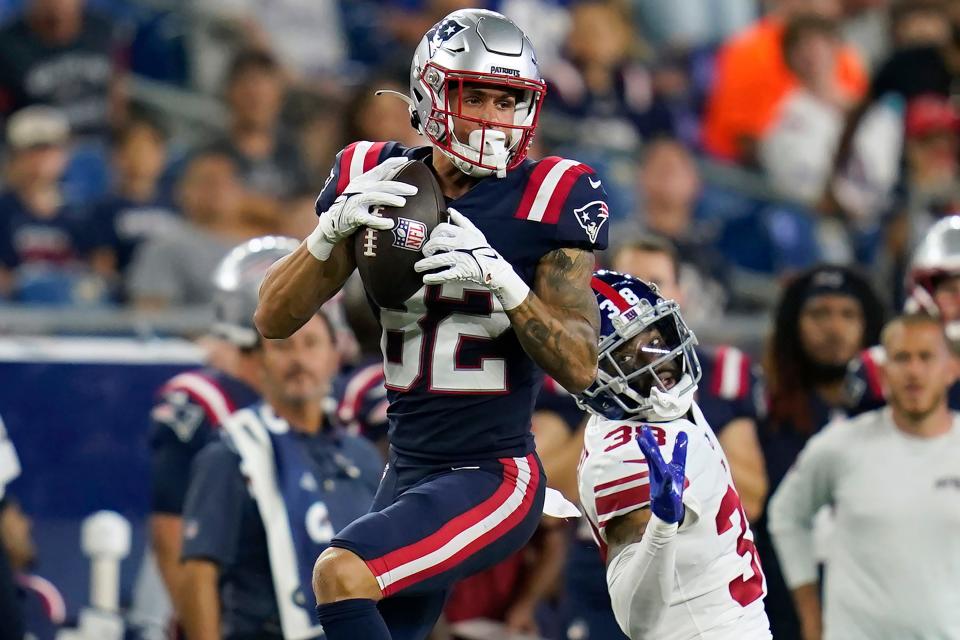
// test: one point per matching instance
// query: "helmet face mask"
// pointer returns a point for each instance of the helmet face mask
(474, 48)
(648, 369)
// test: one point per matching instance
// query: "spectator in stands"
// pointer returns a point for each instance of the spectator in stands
(694, 23)
(752, 77)
(288, 476)
(137, 210)
(796, 152)
(670, 185)
(928, 67)
(41, 604)
(174, 269)
(58, 53)
(270, 162)
(41, 237)
(599, 98)
(825, 318)
(380, 118)
(919, 23)
(886, 577)
(931, 187)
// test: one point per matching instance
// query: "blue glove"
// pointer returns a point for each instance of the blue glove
(666, 480)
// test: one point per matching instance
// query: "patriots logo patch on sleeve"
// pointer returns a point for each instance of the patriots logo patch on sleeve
(443, 31)
(591, 217)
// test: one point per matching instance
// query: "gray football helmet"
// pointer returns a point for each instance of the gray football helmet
(236, 283)
(476, 47)
(937, 258)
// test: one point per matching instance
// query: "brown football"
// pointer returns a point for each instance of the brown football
(385, 259)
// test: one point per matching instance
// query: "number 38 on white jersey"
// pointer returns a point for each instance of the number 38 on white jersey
(719, 586)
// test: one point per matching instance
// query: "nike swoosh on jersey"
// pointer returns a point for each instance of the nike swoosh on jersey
(594, 183)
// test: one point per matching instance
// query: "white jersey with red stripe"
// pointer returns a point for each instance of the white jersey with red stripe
(719, 586)
(459, 384)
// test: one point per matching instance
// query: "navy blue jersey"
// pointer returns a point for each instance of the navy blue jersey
(729, 388)
(26, 239)
(190, 406)
(460, 386)
(330, 481)
(121, 224)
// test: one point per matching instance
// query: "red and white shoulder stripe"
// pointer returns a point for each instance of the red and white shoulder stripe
(358, 387)
(53, 604)
(731, 374)
(355, 159)
(622, 495)
(205, 392)
(548, 187)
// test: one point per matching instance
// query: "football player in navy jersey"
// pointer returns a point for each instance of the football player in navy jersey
(190, 408)
(507, 297)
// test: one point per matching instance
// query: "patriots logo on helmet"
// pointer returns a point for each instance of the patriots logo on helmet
(409, 234)
(443, 31)
(591, 217)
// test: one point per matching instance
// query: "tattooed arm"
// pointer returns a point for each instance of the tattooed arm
(559, 323)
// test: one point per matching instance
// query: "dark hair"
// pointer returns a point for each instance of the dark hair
(790, 372)
(360, 100)
(911, 320)
(801, 26)
(251, 60)
(139, 117)
(649, 243)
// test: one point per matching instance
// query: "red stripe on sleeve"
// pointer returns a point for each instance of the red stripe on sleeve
(373, 156)
(873, 375)
(632, 497)
(346, 157)
(536, 179)
(623, 480)
(562, 190)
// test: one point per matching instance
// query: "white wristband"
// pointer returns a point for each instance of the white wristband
(511, 290)
(318, 245)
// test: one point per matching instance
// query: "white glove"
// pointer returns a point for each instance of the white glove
(356, 207)
(468, 257)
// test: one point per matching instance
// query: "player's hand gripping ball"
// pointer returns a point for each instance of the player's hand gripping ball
(386, 254)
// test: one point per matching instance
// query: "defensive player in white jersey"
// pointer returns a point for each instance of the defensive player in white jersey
(681, 564)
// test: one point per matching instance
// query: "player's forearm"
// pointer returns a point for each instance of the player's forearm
(561, 342)
(640, 579)
(806, 599)
(200, 600)
(165, 532)
(296, 286)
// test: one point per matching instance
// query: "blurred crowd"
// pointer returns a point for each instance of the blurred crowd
(760, 138)
(755, 141)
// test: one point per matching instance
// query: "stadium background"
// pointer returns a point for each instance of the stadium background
(650, 93)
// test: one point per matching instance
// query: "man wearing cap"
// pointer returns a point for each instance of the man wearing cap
(267, 497)
(40, 234)
(825, 318)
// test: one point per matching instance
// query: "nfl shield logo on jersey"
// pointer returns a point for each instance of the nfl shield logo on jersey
(409, 234)
(591, 217)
